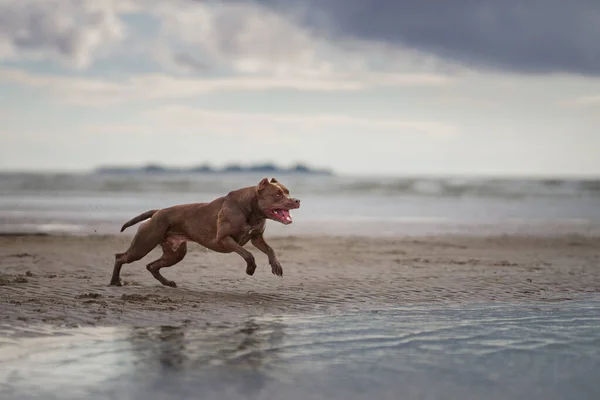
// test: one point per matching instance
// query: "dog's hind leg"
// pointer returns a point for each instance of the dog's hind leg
(145, 240)
(172, 254)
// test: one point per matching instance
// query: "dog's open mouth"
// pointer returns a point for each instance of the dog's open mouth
(281, 215)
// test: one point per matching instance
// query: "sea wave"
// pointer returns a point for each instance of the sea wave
(302, 184)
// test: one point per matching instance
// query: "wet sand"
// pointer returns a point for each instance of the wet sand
(63, 280)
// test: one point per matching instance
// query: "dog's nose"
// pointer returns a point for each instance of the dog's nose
(297, 201)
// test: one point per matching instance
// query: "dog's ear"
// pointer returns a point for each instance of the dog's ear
(262, 184)
(273, 180)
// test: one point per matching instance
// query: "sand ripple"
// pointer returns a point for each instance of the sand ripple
(63, 280)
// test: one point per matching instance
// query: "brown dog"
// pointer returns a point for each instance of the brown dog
(224, 225)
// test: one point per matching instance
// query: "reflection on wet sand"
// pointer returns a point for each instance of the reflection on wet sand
(493, 351)
(173, 348)
(164, 346)
(249, 350)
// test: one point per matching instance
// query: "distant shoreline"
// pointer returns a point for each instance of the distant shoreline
(207, 169)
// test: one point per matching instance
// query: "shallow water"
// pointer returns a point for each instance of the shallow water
(98, 203)
(491, 351)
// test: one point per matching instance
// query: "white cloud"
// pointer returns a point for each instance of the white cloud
(73, 31)
(251, 39)
(244, 37)
(192, 120)
(584, 101)
(241, 38)
(149, 87)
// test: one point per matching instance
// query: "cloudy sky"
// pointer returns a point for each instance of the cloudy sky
(399, 87)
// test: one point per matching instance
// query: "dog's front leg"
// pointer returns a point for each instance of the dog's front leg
(229, 243)
(260, 243)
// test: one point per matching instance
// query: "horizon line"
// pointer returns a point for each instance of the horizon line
(335, 173)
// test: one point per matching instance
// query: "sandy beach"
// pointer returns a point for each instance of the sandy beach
(63, 280)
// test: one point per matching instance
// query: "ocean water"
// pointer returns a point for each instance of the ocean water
(100, 203)
(486, 351)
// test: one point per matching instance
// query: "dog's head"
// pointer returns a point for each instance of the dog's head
(275, 201)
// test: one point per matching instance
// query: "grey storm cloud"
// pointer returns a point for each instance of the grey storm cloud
(526, 36)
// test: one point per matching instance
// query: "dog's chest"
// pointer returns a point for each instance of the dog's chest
(252, 228)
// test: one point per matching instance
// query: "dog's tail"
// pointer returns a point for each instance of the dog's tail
(137, 219)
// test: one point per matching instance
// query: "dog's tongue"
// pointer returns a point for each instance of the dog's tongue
(286, 215)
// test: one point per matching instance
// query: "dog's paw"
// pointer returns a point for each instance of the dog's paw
(170, 283)
(115, 283)
(250, 268)
(276, 269)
